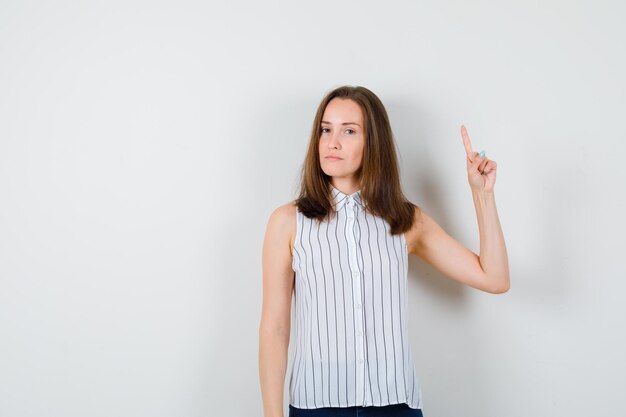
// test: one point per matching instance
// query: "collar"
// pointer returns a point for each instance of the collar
(341, 199)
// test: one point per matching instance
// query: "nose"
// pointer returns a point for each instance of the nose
(333, 142)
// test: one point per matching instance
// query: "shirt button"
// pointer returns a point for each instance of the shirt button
(360, 360)
(359, 333)
(358, 305)
(355, 273)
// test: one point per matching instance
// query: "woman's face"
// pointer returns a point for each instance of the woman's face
(341, 137)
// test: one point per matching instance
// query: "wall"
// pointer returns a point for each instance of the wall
(143, 145)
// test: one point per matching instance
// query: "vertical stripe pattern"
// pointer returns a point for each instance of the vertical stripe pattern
(351, 344)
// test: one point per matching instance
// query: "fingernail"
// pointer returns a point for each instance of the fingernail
(482, 154)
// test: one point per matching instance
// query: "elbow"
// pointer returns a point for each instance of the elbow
(275, 329)
(502, 287)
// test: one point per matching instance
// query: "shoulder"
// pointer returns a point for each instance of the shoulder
(420, 222)
(283, 221)
(284, 214)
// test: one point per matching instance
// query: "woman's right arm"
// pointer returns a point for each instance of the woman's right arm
(274, 329)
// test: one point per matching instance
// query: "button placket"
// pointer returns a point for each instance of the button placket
(356, 283)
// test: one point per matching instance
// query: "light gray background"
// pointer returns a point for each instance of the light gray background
(143, 145)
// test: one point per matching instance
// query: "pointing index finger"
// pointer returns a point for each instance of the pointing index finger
(466, 141)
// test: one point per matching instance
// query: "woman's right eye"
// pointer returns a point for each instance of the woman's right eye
(324, 129)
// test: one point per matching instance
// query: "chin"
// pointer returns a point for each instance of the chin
(332, 172)
(337, 174)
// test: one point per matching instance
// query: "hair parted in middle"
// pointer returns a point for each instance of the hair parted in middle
(378, 174)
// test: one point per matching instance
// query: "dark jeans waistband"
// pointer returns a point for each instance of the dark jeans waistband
(392, 410)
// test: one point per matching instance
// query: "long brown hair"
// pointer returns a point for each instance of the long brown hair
(378, 174)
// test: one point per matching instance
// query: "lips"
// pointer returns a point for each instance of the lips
(333, 157)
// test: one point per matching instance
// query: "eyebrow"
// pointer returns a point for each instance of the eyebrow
(347, 123)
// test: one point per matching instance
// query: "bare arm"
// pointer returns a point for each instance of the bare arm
(493, 254)
(487, 272)
(274, 328)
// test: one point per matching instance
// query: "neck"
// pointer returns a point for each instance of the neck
(345, 186)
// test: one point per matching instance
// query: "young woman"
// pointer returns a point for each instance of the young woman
(341, 249)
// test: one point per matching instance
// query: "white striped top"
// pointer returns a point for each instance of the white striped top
(351, 345)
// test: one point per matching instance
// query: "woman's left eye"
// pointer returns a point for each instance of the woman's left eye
(349, 130)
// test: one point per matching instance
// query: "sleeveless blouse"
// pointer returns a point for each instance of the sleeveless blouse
(351, 346)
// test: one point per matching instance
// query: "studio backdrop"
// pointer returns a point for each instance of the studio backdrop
(144, 144)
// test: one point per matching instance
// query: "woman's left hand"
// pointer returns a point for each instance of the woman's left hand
(481, 172)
